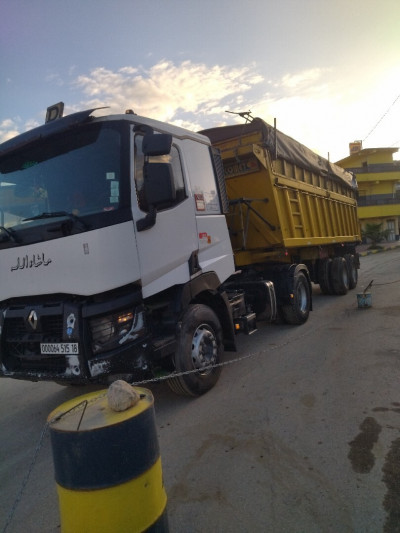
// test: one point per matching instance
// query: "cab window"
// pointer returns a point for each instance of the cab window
(173, 158)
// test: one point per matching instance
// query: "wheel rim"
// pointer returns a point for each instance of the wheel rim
(302, 298)
(204, 349)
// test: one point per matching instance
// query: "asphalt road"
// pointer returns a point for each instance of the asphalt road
(302, 436)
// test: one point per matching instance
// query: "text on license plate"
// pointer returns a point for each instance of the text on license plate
(50, 348)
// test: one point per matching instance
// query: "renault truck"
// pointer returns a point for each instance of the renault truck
(133, 248)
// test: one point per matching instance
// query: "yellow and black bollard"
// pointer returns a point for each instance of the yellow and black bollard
(108, 466)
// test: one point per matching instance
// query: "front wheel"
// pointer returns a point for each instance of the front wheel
(198, 351)
(299, 308)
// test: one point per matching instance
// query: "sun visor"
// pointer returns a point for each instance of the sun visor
(46, 130)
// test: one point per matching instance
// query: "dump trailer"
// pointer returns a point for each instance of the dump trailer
(288, 206)
(130, 248)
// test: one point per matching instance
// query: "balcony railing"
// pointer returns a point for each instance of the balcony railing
(377, 199)
(376, 168)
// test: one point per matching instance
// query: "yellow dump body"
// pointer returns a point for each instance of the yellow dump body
(285, 201)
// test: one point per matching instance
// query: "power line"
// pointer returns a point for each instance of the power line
(382, 117)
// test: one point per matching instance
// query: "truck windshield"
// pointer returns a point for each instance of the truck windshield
(76, 174)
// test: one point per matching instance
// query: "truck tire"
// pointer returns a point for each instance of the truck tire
(199, 347)
(298, 310)
(352, 270)
(339, 276)
(324, 275)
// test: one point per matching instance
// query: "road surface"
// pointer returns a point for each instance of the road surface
(302, 436)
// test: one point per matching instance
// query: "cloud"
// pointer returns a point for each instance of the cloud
(303, 79)
(167, 91)
(55, 79)
(196, 96)
(192, 95)
(31, 123)
(8, 129)
(323, 107)
(188, 94)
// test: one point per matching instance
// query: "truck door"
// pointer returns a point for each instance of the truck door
(165, 248)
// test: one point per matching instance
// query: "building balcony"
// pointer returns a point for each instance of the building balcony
(385, 209)
(378, 199)
(376, 168)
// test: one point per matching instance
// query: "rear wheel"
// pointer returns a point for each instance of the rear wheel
(198, 351)
(352, 270)
(324, 275)
(298, 310)
(339, 276)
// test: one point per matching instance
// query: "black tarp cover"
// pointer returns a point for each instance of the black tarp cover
(286, 148)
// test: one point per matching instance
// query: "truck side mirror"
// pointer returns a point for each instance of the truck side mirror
(157, 144)
(159, 190)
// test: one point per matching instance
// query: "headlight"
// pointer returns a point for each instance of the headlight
(110, 331)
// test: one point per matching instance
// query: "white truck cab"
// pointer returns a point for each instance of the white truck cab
(113, 251)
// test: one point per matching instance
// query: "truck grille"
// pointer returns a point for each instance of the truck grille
(17, 327)
(21, 343)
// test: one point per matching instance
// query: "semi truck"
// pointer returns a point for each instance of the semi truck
(137, 249)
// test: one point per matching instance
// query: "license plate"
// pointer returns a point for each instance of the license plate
(59, 348)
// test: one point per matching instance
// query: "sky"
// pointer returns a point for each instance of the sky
(327, 70)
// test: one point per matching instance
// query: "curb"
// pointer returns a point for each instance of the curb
(371, 252)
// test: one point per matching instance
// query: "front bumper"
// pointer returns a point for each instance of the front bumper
(65, 328)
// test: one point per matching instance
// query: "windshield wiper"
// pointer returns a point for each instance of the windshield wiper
(10, 235)
(58, 214)
(53, 214)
